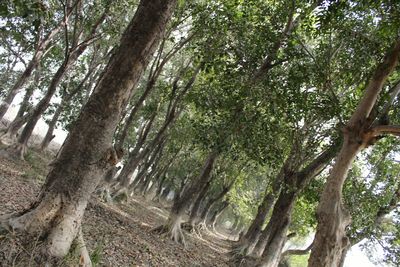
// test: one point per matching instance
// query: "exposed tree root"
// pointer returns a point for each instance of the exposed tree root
(192, 228)
(84, 258)
(174, 232)
(104, 194)
(121, 195)
(55, 224)
(242, 261)
(7, 138)
(17, 150)
(22, 249)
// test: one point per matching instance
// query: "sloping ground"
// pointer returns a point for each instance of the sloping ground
(116, 235)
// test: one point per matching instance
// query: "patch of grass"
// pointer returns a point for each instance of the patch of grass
(38, 167)
(97, 254)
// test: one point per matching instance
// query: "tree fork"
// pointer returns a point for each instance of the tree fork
(330, 239)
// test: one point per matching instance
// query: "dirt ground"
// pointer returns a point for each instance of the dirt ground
(116, 234)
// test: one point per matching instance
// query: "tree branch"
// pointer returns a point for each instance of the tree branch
(374, 86)
(291, 252)
(385, 129)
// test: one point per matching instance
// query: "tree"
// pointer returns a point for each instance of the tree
(87, 152)
(359, 133)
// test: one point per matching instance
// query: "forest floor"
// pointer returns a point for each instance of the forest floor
(115, 234)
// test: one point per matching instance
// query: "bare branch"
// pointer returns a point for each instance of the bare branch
(291, 252)
(374, 86)
(385, 129)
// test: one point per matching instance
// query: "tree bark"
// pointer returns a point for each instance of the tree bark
(211, 202)
(330, 238)
(270, 246)
(135, 156)
(52, 125)
(66, 98)
(22, 142)
(248, 240)
(194, 218)
(85, 156)
(183, 201)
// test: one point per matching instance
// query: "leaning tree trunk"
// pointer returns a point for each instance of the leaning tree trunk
(23, 139)
(41, 48)
(210, 203)
(173, 227)
(87, 152)
(52, 125)
(330, 238)
(270, 246)
(23, 112)
(217, 214)
(194, 216)
(248, 240)
(276, 230)
(71, 56)
(22, 117)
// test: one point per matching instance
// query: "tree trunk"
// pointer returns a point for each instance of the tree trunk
(343, 257)
(164, 193)
(17, 87)
(21, 118)
(218, 212)
(49, 134)
(254, 234)
(277, 230)
(330, 238)
(85, 156)
(135, 156)
(39, 109)
(249, 240)
(182, 202)
(194, 218)
(23, 112)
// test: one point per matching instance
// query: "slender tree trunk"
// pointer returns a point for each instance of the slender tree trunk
(212, 201)
(39, 109)
(181, 202)
(277, 230)
(254, 234)
(42, 46)
(21, 118)
(52, 125)
(135, 156)
(86, 154)
(23, 112)
(217, 214)
(164, 194)
(17, 87)
(160, 187)
(71, 57)
(249, 240)
(194, 218)
(270, 246)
